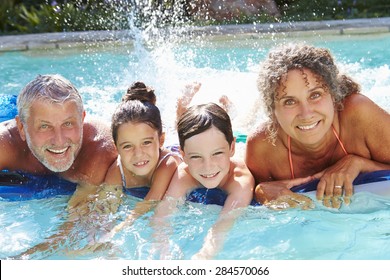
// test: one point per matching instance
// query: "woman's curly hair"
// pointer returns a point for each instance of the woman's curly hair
(298, 56)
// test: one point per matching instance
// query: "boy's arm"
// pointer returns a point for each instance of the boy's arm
(240, 194)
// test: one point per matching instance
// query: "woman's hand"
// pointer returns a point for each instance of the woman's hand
(277, 194)
(337, 180)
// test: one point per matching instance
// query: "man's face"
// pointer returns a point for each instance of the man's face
(54, 133)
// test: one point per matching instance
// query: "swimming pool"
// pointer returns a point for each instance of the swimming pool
(359, 231)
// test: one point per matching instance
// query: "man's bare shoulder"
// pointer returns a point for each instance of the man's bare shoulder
(96, 155)
(7, 126)
(97, 132)
(14, 150)
(9, 135)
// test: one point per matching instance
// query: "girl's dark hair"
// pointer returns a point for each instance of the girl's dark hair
(138, 106)
(199, 118)
(139, 91)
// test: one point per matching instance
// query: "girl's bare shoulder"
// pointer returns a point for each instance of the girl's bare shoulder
(113, 175)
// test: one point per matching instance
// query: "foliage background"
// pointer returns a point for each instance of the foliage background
(36, 16)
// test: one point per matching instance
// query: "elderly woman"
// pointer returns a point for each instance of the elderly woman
(320, 127)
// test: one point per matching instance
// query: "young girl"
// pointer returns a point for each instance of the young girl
(207, 146)
(142, 161)
(137, 132)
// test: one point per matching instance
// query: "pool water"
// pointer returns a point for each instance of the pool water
(358, 231)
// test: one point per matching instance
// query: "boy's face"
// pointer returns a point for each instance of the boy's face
(208, 157)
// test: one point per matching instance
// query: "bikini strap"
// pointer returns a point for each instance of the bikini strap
(119, 162)
(338, 139)
(172, 153)
(162, 159)
(290, 157)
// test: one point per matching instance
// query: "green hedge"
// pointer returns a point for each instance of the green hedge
(304, 10)
(34, 16)
(56, 16)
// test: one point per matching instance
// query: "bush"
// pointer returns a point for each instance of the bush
(34, 16)
(303, 10)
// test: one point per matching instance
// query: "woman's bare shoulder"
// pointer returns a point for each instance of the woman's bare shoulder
(360, 102)
(258, 146)
(360, 111)
(258, 133)
(258, 139)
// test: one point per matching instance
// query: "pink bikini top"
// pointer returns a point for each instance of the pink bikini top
(290, 156)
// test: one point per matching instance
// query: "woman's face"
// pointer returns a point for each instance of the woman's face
(304, 108)
(207, 155)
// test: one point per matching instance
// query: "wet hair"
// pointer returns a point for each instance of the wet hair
(297, 56)
(139, 91)
(198, 118)
(138, 106)
(48, 88)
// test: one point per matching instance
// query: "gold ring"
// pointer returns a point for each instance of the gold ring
(338, 187)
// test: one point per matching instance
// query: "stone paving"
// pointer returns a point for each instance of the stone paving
(75, 39)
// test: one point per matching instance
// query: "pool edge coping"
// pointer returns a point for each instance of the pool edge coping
(87, 38)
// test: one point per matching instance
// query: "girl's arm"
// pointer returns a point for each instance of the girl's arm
(113, 175)
(181, 183)
(87, 204)
(161, 179)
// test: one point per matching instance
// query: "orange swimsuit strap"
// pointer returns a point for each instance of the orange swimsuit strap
(290, 155)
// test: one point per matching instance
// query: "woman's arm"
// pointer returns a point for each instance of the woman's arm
(277, 194)
(260, 154)
(368, 144)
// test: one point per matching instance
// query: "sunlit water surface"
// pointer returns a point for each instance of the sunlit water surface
(229, 67)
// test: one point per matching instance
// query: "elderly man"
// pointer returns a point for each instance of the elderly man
(50, 134)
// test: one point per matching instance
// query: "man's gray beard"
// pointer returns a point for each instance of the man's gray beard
(42, 159)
